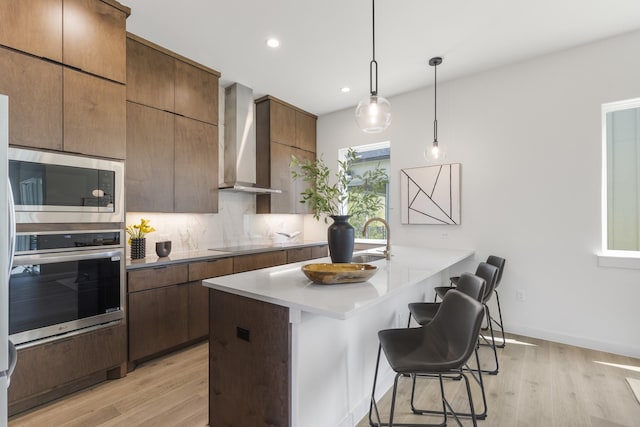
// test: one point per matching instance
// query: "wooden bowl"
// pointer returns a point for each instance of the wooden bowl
(330, 274)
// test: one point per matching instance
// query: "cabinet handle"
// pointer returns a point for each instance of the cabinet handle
(161, 267)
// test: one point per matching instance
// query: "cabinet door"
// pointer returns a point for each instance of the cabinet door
(198, 322)
(94, 38)
(94, 115)
(32, 26)
(196, 166)
(149, 168)
(150, 76)
(281, 179)
(34, 88)
(282, 122)
(305, 132)
(249, 362)
(196, 93)
(157, 320)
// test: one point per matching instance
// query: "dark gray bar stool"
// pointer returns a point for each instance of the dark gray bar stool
(490, 274)
(439, 348)
(424, 312)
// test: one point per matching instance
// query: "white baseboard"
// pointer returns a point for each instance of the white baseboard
(578, 341)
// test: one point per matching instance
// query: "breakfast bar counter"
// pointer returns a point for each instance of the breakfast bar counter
(285, 351)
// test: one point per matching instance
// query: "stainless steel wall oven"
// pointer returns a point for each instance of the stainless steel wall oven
(63, 282)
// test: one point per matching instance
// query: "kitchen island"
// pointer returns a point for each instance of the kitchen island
(287, 352)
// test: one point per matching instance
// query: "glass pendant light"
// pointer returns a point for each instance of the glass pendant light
(435, 152)
(373, 113)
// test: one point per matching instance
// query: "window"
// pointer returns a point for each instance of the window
(621, 178)
(369, 157)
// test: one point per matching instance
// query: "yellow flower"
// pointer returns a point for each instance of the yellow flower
(138, 231)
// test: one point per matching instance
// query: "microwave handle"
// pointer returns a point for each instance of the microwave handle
(12, 227)
(115, 255)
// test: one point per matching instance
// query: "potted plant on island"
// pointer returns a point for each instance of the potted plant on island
(340, 199)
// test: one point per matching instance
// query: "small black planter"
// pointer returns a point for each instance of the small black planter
(340, 237)
(138, 247)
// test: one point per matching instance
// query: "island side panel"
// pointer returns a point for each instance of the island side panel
(249, 362)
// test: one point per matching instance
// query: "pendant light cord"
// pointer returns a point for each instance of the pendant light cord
(373, 62)
(435, 104)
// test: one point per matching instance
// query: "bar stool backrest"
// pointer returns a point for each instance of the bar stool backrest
(490, 274)
(471, 285)
(458, 322)
(498, 262)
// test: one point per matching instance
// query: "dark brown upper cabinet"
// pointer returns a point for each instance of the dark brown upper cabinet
(195, 166)
(34, 88)
(282, 130)
(34, 27)
(162, 79)
(150, 76)
(88, 35)
(149, 172)
(94, 115)
(94, 37)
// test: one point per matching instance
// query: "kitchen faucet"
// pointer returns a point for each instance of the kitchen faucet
(387, 251)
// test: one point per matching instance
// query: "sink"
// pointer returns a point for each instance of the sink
(365, 258)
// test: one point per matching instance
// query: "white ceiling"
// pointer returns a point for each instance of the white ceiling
(326, 44)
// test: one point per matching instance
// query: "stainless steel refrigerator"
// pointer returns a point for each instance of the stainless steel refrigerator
(7, 235)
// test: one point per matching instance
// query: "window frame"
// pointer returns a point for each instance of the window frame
(342, 152)
(612, 257)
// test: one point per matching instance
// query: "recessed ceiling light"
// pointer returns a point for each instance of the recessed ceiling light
(273, 42)
(345, 89)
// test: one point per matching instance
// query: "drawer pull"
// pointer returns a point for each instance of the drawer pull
(243, 334)
(161, 267)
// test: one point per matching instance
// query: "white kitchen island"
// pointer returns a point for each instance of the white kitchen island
(287, 352)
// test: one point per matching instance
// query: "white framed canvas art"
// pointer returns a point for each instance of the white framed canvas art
(430, 194)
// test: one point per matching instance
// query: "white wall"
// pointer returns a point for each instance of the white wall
(529, 140)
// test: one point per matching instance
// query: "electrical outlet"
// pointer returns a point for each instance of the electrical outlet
(520, 295)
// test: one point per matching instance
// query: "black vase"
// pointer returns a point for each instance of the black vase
(340, 237)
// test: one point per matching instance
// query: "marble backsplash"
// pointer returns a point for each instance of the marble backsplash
(236, 223)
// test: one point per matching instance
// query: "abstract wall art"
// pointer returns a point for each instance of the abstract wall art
(430, 194)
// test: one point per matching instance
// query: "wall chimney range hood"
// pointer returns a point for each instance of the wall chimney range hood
(240, 142)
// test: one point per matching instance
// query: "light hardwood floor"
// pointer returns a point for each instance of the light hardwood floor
(540, 384)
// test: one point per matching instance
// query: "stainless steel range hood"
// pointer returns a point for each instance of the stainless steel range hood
(240, 142)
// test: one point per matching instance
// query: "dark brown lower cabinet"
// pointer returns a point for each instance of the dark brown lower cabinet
(198, 315)
(48, 371)
(168, 306)
(249, 362)
(157, 320)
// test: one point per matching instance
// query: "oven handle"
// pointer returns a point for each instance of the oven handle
(115, 255)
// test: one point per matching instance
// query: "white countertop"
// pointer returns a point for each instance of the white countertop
(287, 285)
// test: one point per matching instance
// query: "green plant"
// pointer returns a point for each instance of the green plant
(340, 197)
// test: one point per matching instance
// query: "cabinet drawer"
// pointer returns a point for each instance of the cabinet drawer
(211, 268)
(319, 251)
(45, 367)
(253, 262)
(157, 277)
(297, 255)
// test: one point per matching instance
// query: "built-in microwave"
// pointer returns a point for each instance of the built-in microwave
(63, 188)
